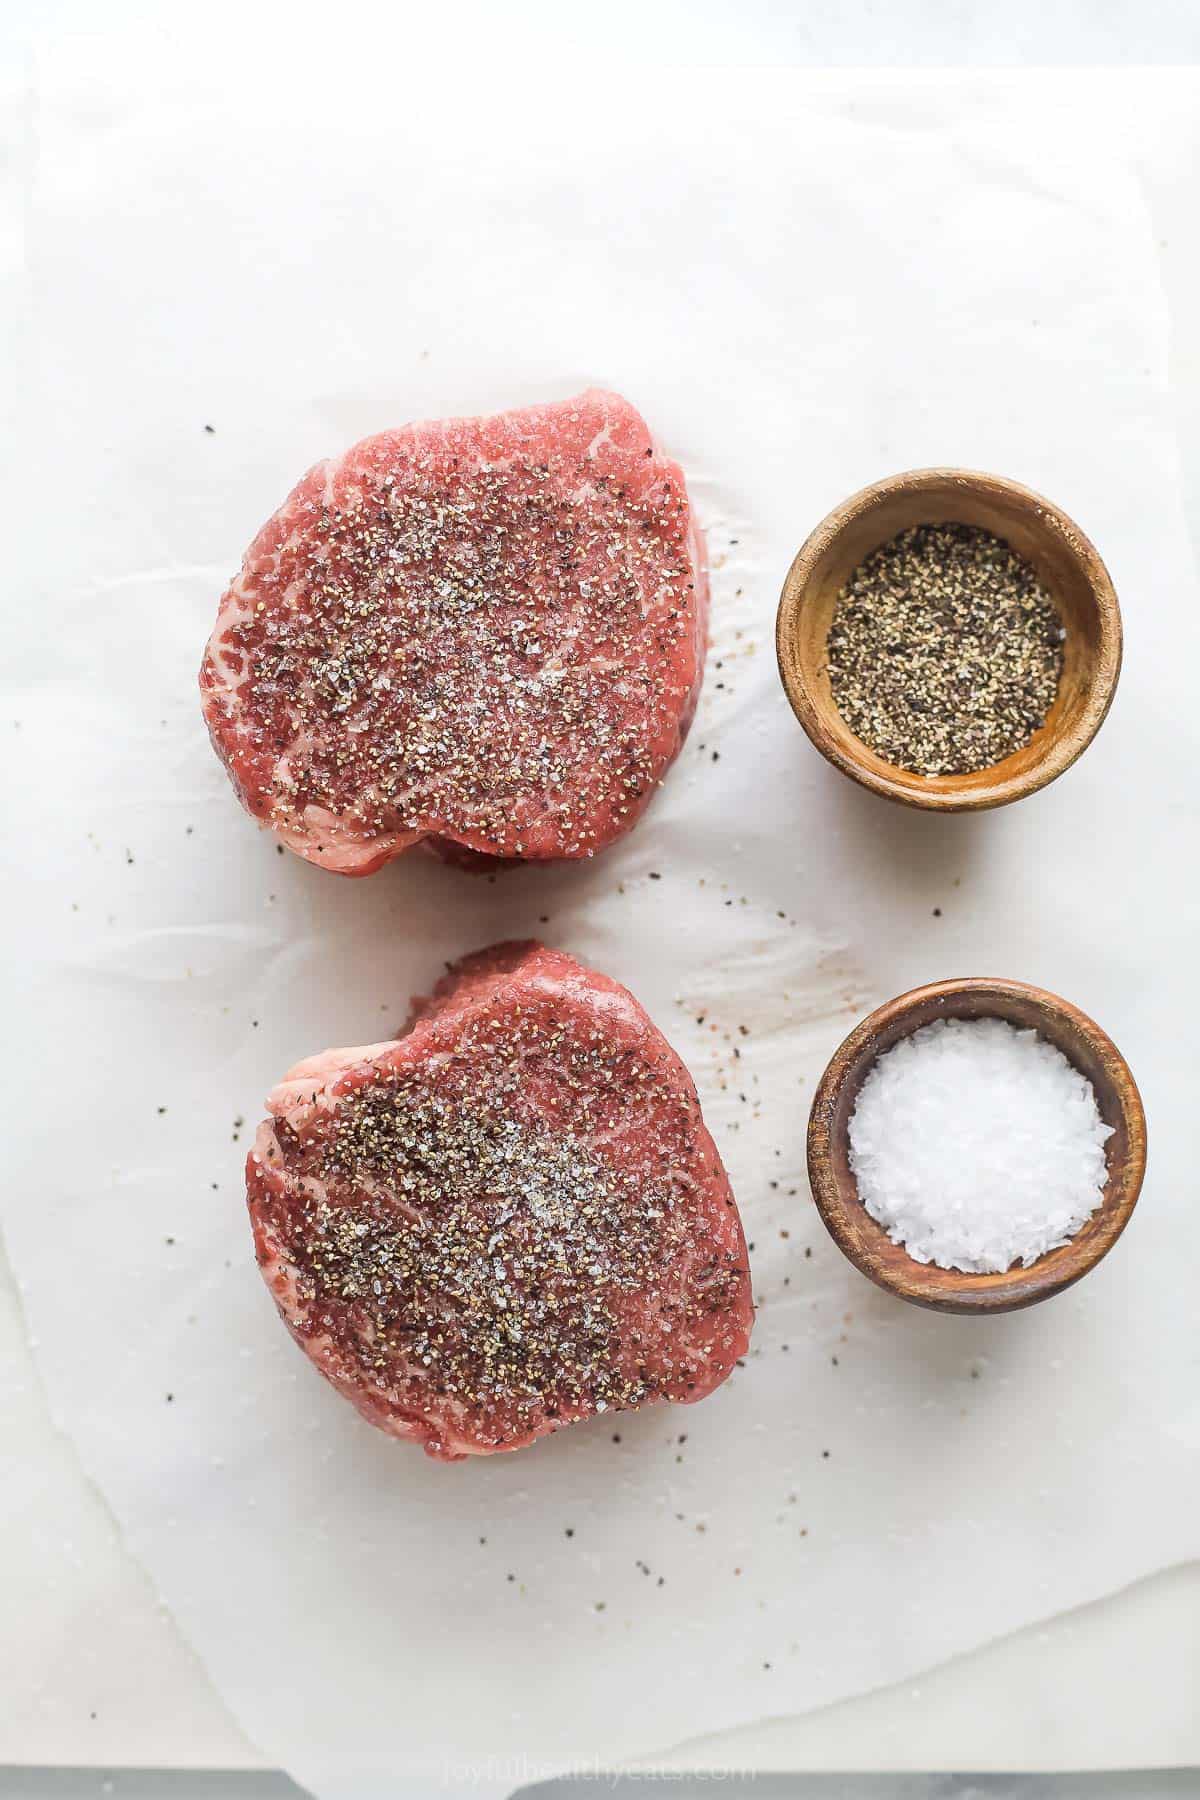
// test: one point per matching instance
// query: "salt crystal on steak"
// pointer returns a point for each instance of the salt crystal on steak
(487, 634)
(509, 1219)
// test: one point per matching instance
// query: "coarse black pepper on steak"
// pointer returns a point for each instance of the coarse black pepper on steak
(485, 634)
(508, 1219)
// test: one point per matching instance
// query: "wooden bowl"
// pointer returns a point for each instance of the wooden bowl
(1068, 566)
(866, 1242)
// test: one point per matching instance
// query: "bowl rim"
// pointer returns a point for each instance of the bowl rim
(1060, 750)
(948, 1290)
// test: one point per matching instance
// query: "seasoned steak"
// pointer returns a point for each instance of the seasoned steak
(485, 634)
(508, 1219)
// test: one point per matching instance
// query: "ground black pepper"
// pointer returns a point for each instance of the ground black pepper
(945, 650)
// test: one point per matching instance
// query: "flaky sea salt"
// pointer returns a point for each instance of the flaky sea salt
(977, 1145)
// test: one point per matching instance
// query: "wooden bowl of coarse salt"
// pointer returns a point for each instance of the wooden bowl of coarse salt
(948, 639)
(987, 1124)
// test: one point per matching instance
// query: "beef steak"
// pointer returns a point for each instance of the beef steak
(483, 633)
(508, 1219)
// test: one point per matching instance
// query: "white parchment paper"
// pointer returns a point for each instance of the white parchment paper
(802, 287)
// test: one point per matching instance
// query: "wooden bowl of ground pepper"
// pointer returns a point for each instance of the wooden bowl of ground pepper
(949, 639)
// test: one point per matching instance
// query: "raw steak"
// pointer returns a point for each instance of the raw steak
(509, 1219)
(484, 633)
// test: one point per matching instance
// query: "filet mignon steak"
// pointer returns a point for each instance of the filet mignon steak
(509, 1219)
(487, 634)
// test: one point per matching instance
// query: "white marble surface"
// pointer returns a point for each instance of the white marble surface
(93, 1672)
